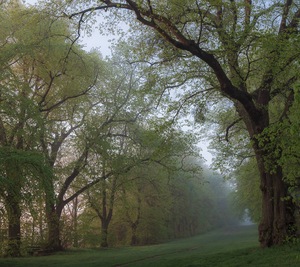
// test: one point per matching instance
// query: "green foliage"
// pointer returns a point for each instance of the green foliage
(153, 203)
(21, 157)
(28, 162)
(281, 139)
(247, 197)
(230, 142)
(289, 142)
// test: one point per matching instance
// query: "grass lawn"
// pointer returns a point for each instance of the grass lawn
(227, 247)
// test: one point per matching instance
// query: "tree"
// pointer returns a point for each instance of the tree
(106, 211)
(20, 120)
(145, 203)
(244, 51)
(16, 167)
(40, 107)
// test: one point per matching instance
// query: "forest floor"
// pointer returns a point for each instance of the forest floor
(228, 247)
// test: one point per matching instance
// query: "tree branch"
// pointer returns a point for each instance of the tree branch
(108, 4)
(285, 13)
(80, 164)
(173, 36)
(229, 127)
(248, 8)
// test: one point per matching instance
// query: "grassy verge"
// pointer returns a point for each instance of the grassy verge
(226, 247)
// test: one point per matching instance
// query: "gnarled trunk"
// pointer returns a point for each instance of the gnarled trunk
(278, 222)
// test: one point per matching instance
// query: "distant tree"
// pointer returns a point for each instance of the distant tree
(137, 197)
(146, 202)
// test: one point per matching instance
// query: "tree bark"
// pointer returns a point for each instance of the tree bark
(278, 222)
(12, 205)
(75, 222)
(104, 233)
(14, 228)
(134, 238)
(53, 221)
(105, 218)
(135, 224)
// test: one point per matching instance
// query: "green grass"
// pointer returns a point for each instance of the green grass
(227, 247)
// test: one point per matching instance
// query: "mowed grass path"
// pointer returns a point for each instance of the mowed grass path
(228, 247)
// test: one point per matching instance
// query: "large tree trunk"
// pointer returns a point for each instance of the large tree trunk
(278, 222)
(53, 220)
